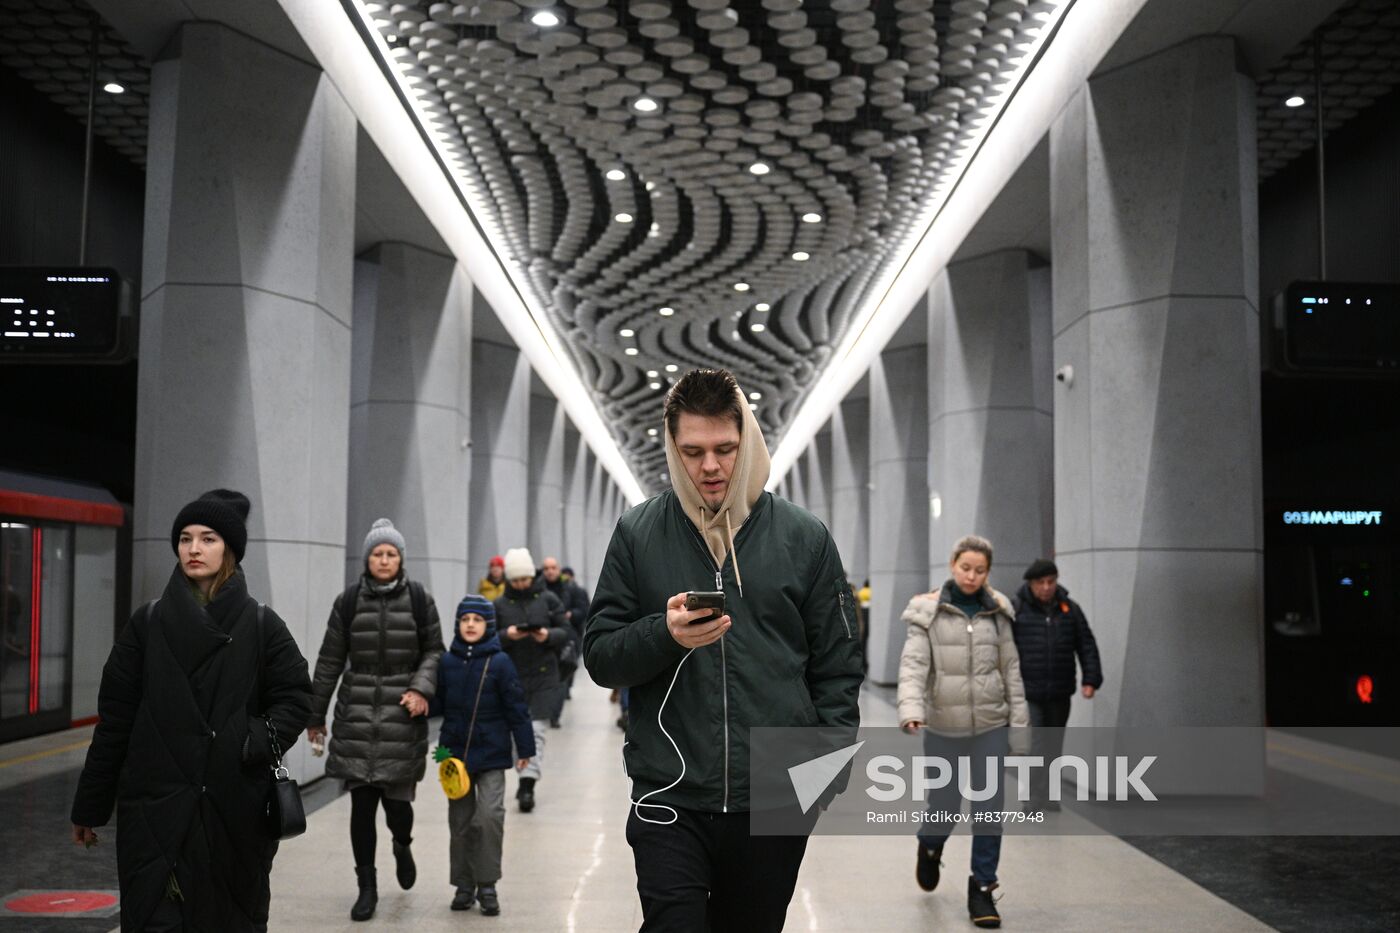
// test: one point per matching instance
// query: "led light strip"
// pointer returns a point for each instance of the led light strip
(988, 161)
(346, 46)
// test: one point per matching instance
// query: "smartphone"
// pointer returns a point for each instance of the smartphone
(705, 600)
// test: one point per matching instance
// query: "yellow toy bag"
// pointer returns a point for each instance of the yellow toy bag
(452, 772)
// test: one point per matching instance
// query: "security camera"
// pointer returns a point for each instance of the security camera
(1065, 374)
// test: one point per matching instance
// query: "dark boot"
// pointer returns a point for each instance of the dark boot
(490, 907)
(926, 868)
(404, 868)
(369, 894)
(980, 905)
(464, 899)
(526, 795)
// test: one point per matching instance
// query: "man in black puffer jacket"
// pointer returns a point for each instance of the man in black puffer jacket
(533, 632)
(1051, 631)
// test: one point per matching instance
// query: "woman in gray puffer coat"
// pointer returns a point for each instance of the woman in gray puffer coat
(385, 637)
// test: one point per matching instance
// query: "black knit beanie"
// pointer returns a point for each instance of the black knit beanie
(223, 510)
(1040, 568)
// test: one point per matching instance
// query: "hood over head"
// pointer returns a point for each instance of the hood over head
(751, 470)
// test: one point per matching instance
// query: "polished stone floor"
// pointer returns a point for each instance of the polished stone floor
(568, 867)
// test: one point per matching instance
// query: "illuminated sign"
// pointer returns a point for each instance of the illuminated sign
(59, 311)
(1364, 686)
(1333, 518)
(1347, 326)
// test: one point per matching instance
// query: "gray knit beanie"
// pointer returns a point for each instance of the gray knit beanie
(383, 532)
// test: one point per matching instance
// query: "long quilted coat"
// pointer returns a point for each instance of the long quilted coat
(373, 739)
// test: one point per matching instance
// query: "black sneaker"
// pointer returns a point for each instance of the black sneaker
(926, 869)
(525, 795)
(464, 899)
(490, 907)
(980, 905)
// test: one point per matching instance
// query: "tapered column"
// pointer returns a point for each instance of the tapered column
(1157, 451)
(817, 462)
(546, 476)
(500, 453)
(850, 486)
(409, 413)
(990, 423)
(575, 496)
(899, 566)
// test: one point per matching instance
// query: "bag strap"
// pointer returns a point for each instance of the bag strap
(348, 598)
(471, 727)
(418, 600)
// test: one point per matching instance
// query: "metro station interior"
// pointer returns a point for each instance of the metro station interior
(1110, 282)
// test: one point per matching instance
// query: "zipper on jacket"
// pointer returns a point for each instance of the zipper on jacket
(379, 678)
(971, 675)
(723, 660)
(841, 596)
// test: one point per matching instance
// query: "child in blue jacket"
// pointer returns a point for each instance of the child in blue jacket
(482, 705)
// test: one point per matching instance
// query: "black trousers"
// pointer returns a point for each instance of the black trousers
(704, 872)
(364, 802)
(1048, 718)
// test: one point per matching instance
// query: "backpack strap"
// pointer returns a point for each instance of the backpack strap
(352, 593)
(418, 599)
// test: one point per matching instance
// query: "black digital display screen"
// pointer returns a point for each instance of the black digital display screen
(1342, 326)
(59, 311)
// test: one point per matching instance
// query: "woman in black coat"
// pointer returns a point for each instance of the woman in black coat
(182, 745)
(382, 645)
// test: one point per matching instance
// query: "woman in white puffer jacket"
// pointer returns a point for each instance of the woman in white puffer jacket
(960, 683)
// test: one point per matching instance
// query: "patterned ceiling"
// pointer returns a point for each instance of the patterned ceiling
(634, 226)
(704, 182)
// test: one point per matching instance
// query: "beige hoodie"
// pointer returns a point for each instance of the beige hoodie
(746, 483)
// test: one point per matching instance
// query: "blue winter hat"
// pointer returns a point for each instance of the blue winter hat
(479, 605)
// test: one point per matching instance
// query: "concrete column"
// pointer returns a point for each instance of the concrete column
(410, 413)
(546, 476)
(592, 522)
(990, 423)
(797, 483)
(818, 473)
(246, 314)
(500, 453)
(1157, 450)
(574, 498)
(850, 486)
(898, 500)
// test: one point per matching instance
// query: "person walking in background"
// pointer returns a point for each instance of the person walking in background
(493, 585)
(483, 709)
(575, 602)
(197, 683)
(960, 680)
(531, 621)
(385, 628)
(1051, 631)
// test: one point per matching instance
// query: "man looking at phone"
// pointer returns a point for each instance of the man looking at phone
(784, 652)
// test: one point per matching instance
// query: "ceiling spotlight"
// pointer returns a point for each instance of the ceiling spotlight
(757, 328)
(616, 174)
(391, 38)
(753, 407)
(671, 367)
(652, 374)
(755, 395)
(651, 432)
(666, 312)
(545, 19)
(801, 256)
(760, 168)
(735, 335)
(741, 286)
(762, 306)
(1294, 101)
(812, 217)
(631, 351)
(656, 385)
(645, 105)
(623, 218)
(112, 87)
(651, 186)
(626, 332)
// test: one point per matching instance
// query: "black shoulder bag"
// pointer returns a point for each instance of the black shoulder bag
(285, 816)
